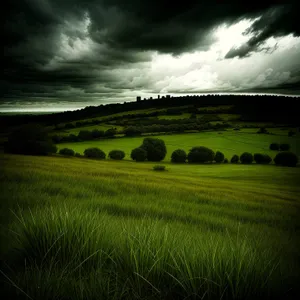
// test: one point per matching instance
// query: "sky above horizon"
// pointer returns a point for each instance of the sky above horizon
(68, 54)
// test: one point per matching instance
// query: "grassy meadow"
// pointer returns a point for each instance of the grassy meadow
(230, 142)
(74, 228)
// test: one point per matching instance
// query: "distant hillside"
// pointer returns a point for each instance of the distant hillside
(250, 107)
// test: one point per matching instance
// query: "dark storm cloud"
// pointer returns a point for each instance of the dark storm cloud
(121, 31)
(277, 21)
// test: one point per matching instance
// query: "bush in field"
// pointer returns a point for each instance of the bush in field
(225, 161)
(284, 147)
(246, 158)
(132, 131)
(96, 133)
(78, 155)
(85, 135)
(178, 156)
(67, 152)
(116, 154)
(159, 168)
(110, 132)
(286, 158)
(262, 158)
(94, 153)
(235, 159)
(138, 154)
(155, 148)
(31, 139)
(274, 146)
(200, 155)
(219, 157)
(72, 138)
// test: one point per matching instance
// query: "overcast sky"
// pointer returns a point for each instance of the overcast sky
(67, 54)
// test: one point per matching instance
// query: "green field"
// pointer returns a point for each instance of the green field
(73, 228)
(229, 142)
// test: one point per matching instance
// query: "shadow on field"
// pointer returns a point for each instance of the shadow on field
(115, 210)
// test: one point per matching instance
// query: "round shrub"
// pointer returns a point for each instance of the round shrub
(67, 152)
(274, 146)
(159, 168)
(219, 157)
(78, 154)
(116, 154)
(85, 135)
(262, 158)
(94, 153)
(178, 156)
(30, 139)
(225, 161)
(200, 155)
(246, 158)
(235, 159)
(286, 158)
(155, 148)
(284, 147)
(138, 154)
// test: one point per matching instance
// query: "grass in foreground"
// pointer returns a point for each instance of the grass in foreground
(81, 229)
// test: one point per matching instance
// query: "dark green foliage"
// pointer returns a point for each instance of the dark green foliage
(159, 168)
(284, 147)
(236, 128)
(69, 126)
(200, 155)
(116, 154)
(110, 132)
(78, 155)
(94, 153)
(67, 152)
(225, 161)
(155, 148)
(262, 158)
(138, 154)
(235, 159)
(132, 131)
(72, 138)
(286, 158)
(178, 156)
(219, 157)
(274, 146)
(263, 130)
(85, 135)
(30, 139)
(246, 158)
(56, 138)
(291, 133)
(96, 133)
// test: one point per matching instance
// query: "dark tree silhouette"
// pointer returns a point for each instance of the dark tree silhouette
(31, 139)
(155, 148)
(200, 155)
(138, 154)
